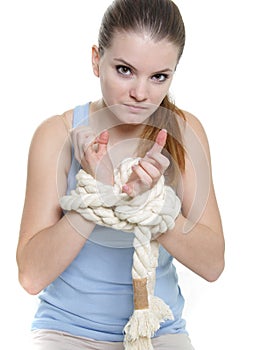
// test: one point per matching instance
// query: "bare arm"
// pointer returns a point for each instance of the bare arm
(48, 241)
(197, 238)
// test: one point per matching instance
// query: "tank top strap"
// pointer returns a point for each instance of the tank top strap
(81, 115)
(80, 118)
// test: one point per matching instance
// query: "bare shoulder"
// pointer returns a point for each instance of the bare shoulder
(53, 131)
(51, 138)
(57, 126)
(194, 133)
(193, 122)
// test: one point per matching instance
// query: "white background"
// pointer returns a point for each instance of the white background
(222, 78)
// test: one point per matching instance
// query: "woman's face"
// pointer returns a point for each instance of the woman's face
(135, 74)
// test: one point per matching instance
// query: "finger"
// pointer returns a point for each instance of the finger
(160, 161)
(78, 152)
(160, 142)
(87, 139)
(143, 181)
(153, 171)
(143, 176)
(133, 188)
(82, 134)
(81, 138)
(102, 141)
(128, 189)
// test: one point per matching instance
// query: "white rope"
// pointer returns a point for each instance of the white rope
(147, 215)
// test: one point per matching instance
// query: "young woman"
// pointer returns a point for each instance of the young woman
(81, 269)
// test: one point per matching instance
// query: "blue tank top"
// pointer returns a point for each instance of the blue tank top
(93, 297)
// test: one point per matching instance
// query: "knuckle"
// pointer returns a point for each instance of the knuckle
(148, 182)
(166, 163)
(87, 157)
(156, 175)
(80, 138)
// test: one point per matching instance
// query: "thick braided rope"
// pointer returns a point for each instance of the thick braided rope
(147, 215)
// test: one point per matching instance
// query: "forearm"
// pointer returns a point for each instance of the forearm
(46, 255)
(201, 249)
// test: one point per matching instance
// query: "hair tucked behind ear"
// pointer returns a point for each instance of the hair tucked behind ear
(161, 19)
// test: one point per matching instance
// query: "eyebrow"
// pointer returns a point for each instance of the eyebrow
(121, 60)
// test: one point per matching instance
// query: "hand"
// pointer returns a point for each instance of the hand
(149, 169)
(91, 152)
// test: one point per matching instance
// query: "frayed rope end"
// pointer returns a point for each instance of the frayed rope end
(143, 324)
(141, 343)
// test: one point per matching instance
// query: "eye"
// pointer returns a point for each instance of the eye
(160, 77)
(123, 70)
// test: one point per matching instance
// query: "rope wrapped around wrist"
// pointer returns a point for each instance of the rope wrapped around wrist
(146, 215)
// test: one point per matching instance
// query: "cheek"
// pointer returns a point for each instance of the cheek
(106, 88)
(113, 88)
(158, 94)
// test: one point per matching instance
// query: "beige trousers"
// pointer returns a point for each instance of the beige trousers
(54, 340)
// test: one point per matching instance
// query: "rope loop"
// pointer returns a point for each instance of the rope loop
(147, 215)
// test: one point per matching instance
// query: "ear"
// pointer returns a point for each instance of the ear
(95, 60)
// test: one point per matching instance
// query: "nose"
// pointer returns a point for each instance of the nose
(139, 90)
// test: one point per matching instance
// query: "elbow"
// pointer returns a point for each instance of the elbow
(214, 272)
(216, 264)
(26, 277)
(29, 285)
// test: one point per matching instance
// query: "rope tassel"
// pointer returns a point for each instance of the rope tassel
(147, 215)
(146, 318)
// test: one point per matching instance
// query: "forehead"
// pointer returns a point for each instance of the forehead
(140, 50)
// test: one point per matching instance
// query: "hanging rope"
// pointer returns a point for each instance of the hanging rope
(147, 215)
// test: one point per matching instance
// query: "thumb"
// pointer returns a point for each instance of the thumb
(102, 141)
(160, 142)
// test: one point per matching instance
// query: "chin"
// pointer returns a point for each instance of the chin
(134, 119)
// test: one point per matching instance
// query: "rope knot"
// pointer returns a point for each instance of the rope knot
(147, 215)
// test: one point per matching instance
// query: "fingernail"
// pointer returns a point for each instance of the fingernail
(125, 188)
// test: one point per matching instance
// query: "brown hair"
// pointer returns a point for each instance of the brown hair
(161, 19)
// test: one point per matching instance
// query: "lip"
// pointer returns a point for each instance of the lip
(135, 107)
